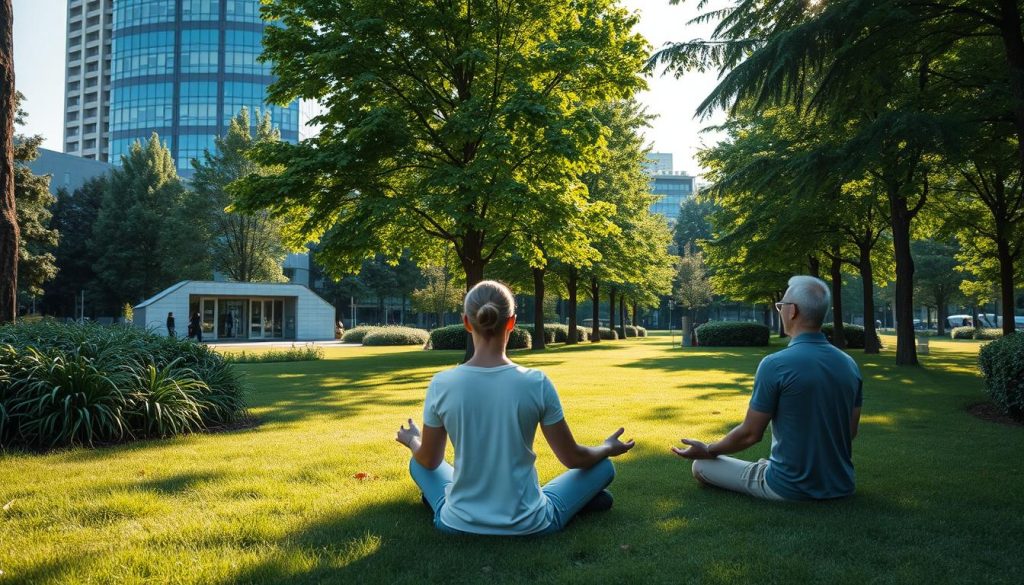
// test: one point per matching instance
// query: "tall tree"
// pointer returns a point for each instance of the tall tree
(449, 120)
(247, 246)
(9, 233)
(74, 215)
(692, 288)
(938, 281)
(36, 263)
(150, 231)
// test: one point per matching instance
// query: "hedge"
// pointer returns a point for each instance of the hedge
(454, 337)
(558, 333)
(987, 334)
(634, 331)
(356, 334)
(607, 333)
(1002, 364)
(88, 384)
(394, 335)
(732, 334)
(962, 333)
(854, 334)
(549, 332)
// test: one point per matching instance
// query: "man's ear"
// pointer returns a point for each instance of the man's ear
(511, 323)
(465, 323)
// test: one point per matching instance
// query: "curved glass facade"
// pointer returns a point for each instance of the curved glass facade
(183, 69)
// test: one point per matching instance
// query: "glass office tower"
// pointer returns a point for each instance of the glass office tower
(183, 69)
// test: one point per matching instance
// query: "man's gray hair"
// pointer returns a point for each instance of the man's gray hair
(812, 296)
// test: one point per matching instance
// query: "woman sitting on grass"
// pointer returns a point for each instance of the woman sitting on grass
(491, 408)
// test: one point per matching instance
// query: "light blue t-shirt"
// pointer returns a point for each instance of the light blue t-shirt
(491, 415)
(810, 389)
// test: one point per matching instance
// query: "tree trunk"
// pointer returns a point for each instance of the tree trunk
(867, 277)
(838, 333)
(611, 310)
(538, 309)
(1006, 295)
(814, 266)
(1013, 48)
(906, 348)
(10, 235)
(473, 265)
(940, 313)
(572, 285)
(622, 315)
(634, 314)
(595, 295)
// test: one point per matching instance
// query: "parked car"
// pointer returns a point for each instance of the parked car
(959, 321)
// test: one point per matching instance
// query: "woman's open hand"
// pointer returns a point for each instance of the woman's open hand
(617, 447)
(408, 436)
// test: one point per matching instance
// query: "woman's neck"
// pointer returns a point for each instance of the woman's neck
(488, 353)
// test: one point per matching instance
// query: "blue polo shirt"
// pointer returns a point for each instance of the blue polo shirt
(810, 390)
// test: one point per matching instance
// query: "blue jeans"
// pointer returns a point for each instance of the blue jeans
(566, 494)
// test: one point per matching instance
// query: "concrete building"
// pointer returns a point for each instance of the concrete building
(240, 311)
(87, 79)
(67, 171)
(673, 187)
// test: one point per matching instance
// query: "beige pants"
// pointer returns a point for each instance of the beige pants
(736, 475)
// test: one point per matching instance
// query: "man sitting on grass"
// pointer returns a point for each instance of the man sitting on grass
(811, 394)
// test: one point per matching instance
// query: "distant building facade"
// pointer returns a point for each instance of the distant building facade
(68, 171)
(671, 186)
(87, 79)
(180, 68)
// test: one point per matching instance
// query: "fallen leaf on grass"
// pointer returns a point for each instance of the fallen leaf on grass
(624, 547)
(8, 505)
(362, 475)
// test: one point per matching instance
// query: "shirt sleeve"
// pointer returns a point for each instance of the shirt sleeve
(766, 388)
(858, 400)
(431, 418)
(552, 405)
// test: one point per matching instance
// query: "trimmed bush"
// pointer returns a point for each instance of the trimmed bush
(634, 331)
(988, 334)
(732, 334)
(549, 331)
(854, 334)
(562, 333)
(962, 333)
(1002, 364)
(454, 337)
(306, 353)
(356, 334)
(87, 384)
(609, 334)
(396, 336)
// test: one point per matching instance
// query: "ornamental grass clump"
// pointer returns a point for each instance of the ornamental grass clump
(305, 353)
(396, 336)
(87, 384)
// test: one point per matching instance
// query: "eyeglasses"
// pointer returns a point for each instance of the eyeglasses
(778, 306)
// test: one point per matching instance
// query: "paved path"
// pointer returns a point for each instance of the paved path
(279, 344)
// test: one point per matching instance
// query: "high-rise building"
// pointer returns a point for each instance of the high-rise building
(671, 186)
(183, 69)
(87, 79)
(180, 68)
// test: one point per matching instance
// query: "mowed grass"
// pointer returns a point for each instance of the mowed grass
(319, 491)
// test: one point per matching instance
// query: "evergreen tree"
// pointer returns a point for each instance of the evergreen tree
(74, 216)
(247, 246)
(150, 232)
(36, 263)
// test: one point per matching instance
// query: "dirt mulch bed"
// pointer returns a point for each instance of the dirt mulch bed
(991, 413)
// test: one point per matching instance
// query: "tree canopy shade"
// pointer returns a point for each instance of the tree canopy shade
(455, 121)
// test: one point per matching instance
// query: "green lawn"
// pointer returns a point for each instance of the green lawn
(939, 492)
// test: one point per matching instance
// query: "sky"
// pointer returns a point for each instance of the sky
(40, 35)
